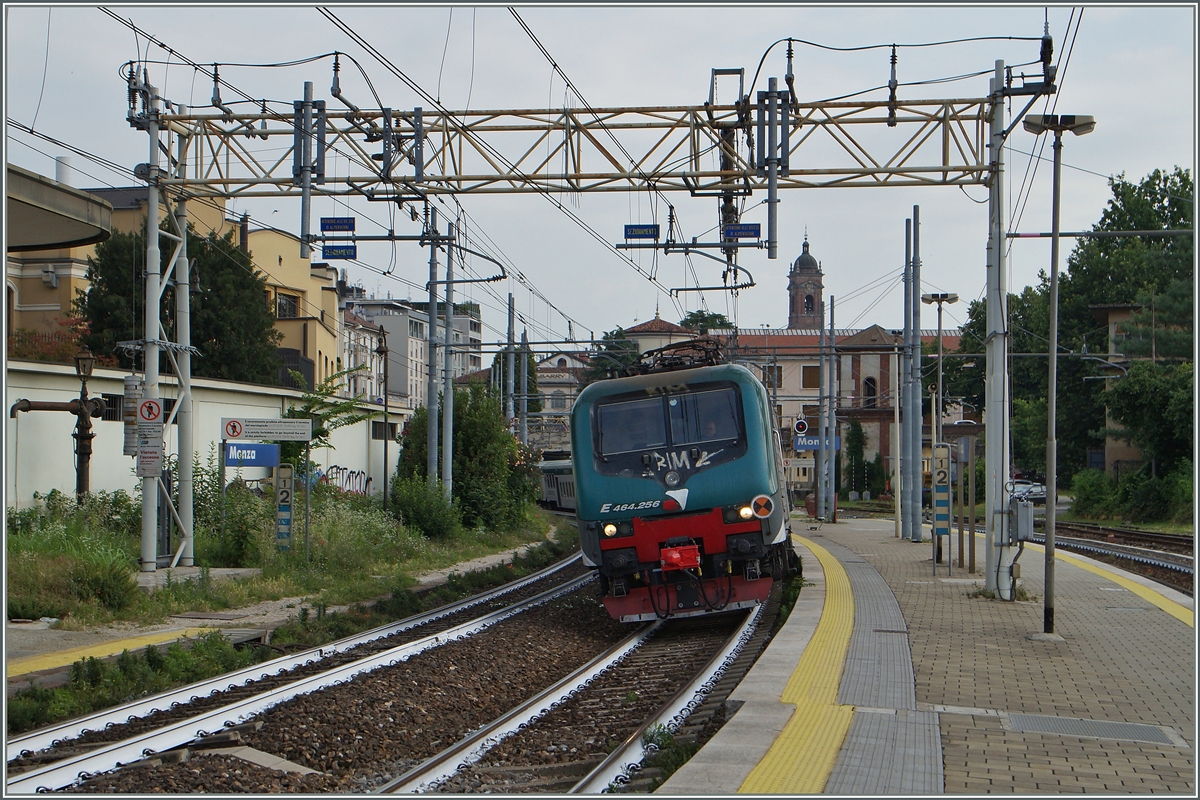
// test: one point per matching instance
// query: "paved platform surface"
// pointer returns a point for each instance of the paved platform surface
(941, 690)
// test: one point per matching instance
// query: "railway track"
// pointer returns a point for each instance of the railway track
(560, 745)
(379, 715)
(1168, 559)
(54, 757)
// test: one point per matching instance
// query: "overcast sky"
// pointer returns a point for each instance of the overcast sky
(1132, 67)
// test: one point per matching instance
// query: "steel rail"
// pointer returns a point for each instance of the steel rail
(64, 773)
(624, 761)
(48, 737)
(445, 764)
(1155, 558)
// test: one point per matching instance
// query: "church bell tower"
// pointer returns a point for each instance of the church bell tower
(805, 287)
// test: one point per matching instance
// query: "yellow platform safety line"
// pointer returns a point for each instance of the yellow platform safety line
(1179, 612)
(802, 758)
(64, 658)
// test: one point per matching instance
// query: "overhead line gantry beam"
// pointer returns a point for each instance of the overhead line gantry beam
(934, 143)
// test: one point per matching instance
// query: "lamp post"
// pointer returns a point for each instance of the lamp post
(939, 298)
(382, 351)
(1079, 125)
(85, 362)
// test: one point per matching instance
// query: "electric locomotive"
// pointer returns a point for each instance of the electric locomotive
(680, 495)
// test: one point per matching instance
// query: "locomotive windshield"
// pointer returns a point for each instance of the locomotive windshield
(703, 417)
(690, 418)
(632, 425)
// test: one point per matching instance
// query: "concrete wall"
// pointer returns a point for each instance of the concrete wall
(39, 451)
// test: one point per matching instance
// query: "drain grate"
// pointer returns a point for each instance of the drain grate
(1090, 728)
(1120, 608)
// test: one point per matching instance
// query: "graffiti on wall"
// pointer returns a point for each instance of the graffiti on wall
(348, 480)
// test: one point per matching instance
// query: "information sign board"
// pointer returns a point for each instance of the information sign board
(330, 252)
(266, 430)
(812, 442)
(641, 232)
(336, 224)
(239, 454)
(149, 437)
(743, 230)
(285, 486)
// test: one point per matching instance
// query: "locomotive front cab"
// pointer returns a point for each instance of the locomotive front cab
(679, 496)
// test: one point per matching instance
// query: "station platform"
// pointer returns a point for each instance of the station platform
(890, 679)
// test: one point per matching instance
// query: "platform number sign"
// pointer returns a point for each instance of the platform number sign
(941, 496)
(285, 486)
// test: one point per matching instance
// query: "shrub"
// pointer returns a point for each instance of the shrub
(1141, 496)
(1094, 493)
(424, 507)
(1180, 492)
(109, 581)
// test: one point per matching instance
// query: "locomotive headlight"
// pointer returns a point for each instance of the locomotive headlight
(672, 478)
(610, 529)
(745, 512)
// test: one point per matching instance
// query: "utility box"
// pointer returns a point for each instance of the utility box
(1020, 520)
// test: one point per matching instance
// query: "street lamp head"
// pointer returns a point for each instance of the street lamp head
(1078, 124)
(939, 297)
(85, 362)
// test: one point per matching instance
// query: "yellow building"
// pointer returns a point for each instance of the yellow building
(43, 284)
(304, 296)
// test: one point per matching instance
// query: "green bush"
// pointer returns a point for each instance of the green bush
(1094, 493)
(1141, 496)
(424, 507)
(1181, 492)
(110, 582)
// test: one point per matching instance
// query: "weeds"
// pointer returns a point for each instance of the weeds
(94, 684)
(667, 754)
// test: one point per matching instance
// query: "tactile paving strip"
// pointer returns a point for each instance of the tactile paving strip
(891, 748)
(1090, 728)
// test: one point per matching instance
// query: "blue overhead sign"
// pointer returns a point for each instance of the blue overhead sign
(744, 230)
(239, 454)
(332, 224)
(329, 252)
(641, 232)
(814, 443)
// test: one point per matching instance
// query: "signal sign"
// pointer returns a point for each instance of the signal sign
(801, 425)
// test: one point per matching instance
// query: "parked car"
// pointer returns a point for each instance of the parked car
(1028, 490)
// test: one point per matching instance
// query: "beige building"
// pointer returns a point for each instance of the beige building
(41, 283)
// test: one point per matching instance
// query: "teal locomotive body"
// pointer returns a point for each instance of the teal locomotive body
(680, 494)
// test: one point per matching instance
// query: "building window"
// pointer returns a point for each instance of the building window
(772, 377)
(808, 304)
(377, 430)
(287, 306)
(810, 377)
(562, 362)
(869, 392)
(558, 400)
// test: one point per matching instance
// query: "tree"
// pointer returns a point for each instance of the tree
(854, 476)
(1162, 328)
(232, 324)
(1154, 404)
(493, 476)
(327, 411)
(704, 321)
(616, 351)
(1100, 271)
